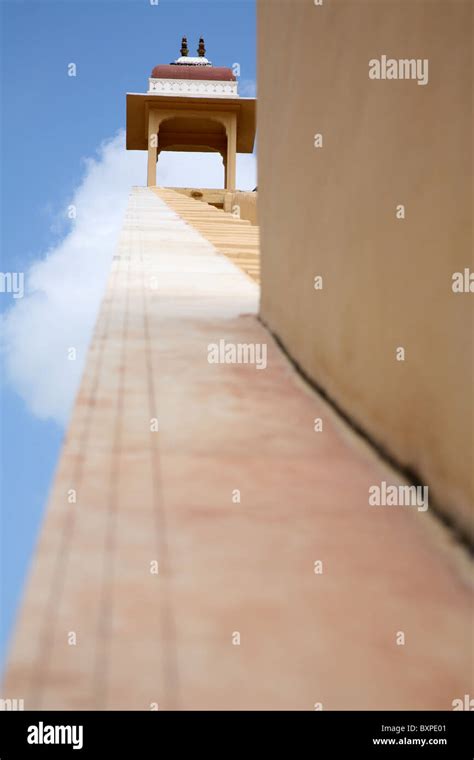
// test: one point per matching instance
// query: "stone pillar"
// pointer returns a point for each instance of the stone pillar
(153, 124)
(231, 130)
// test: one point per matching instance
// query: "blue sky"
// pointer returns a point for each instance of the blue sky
(51, 123)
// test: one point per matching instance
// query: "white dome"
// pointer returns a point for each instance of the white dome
(190, 61)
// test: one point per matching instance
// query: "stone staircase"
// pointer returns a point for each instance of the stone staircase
(237, 239)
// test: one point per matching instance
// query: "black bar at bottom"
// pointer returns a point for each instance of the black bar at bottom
(155, 734)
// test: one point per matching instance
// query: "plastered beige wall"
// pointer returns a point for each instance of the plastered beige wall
(247, 203)
(331, 211)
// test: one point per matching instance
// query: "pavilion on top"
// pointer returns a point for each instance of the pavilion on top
(191, 105)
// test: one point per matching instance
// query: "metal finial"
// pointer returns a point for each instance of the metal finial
(184, 46)
(201, 48)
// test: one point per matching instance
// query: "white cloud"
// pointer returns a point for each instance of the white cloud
(203, 170)
(247, 88)
(64, 288)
